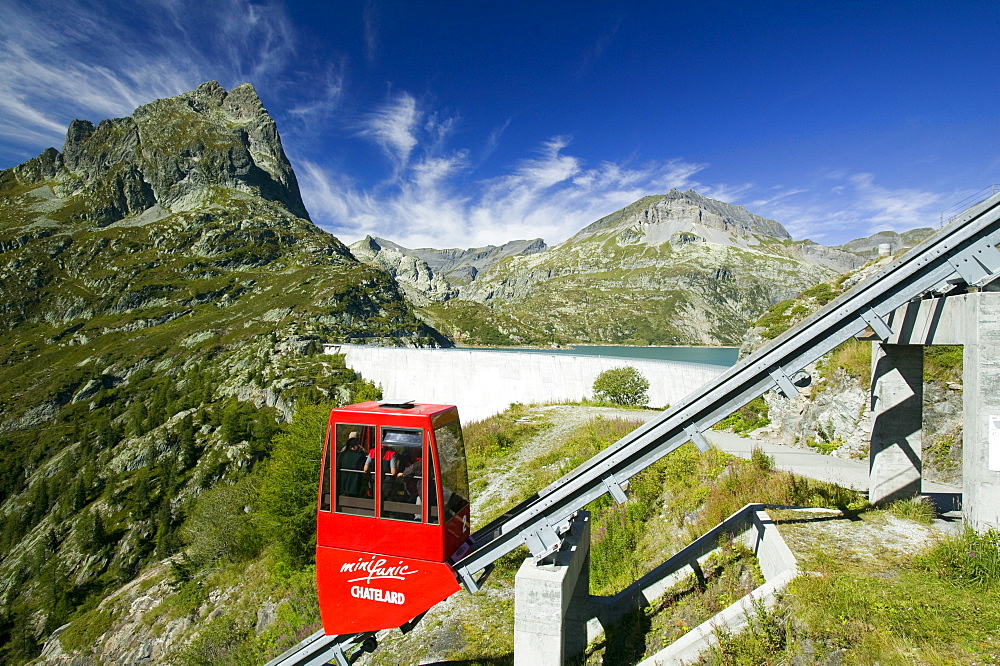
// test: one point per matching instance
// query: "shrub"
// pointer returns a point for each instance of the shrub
(823, 293)
(220, 526)
(747, 418)
(623, 386)
(761, 460)
(776, 320)
(364, 390)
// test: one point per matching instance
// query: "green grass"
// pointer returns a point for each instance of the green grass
(854, 357)
(941, 606)
(943, 363)
(729, 574)
(918, 509)
(746, 419)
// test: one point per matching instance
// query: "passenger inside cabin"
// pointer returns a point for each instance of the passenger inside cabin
(388, 457)
(352, 459)
(411, 479)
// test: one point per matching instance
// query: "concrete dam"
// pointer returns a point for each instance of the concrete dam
(485, 382)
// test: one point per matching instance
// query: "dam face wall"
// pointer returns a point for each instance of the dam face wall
(482, 383)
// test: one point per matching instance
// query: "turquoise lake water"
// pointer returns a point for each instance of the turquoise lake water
(724, 356)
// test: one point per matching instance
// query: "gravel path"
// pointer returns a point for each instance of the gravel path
(502, 480)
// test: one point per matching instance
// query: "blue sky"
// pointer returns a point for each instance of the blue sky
(459, 124)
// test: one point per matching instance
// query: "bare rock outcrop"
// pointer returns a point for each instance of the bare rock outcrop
(171, 153)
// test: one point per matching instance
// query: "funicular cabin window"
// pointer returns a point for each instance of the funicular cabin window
(354, 488)
(451, 459)
(327, 488)
(401, 461)
(433, 515)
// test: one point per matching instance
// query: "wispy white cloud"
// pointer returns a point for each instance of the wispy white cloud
(493, 140)
(393, 127)
(842, 206)
(63, 60)
(772, 197)
(726, 192)
(328, 87)
(895, 210)
(436, 202)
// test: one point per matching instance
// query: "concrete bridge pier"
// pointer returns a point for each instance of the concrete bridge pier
(551, 602)
(897, 396)
(981, 435)
(971, 320)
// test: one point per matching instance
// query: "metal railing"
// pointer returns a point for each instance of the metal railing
(953, 211)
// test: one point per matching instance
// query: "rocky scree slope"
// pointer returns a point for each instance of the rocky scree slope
(165, 297)
(431, 276)
(678, 268)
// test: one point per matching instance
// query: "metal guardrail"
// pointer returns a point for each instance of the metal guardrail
(962, 253)
(954, 210)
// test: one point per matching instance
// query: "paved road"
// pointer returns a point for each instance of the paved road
(844, 472)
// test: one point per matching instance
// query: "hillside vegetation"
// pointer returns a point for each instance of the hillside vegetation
(166, 305)
(166, 301)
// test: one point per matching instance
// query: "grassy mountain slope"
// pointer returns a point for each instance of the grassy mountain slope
(649, 274)
(678, 268)
(165, 300)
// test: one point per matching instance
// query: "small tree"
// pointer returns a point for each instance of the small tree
(624, 386)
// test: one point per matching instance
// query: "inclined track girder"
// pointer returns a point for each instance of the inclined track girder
(964, 252)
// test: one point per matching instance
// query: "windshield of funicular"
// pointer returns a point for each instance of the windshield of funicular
(454, 475)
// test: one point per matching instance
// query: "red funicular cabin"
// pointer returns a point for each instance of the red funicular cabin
(393, 508)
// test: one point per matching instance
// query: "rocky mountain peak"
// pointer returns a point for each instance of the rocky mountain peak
(243, 104)
(419, 282)
(655, 220)
(171, 153)
(733, 216)
(210, 94)
(368, 244)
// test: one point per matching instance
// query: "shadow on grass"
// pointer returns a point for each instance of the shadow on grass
(625, 640)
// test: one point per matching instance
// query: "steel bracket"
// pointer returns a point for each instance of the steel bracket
(473, 584)
(697, 437)
(877, 324)
(784, 382)
(340, 656)
(978, 264)
(614, 488)
(543, 542)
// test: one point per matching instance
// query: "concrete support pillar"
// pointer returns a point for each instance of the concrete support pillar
(897, 413)
(981, 398)
(551, 602)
